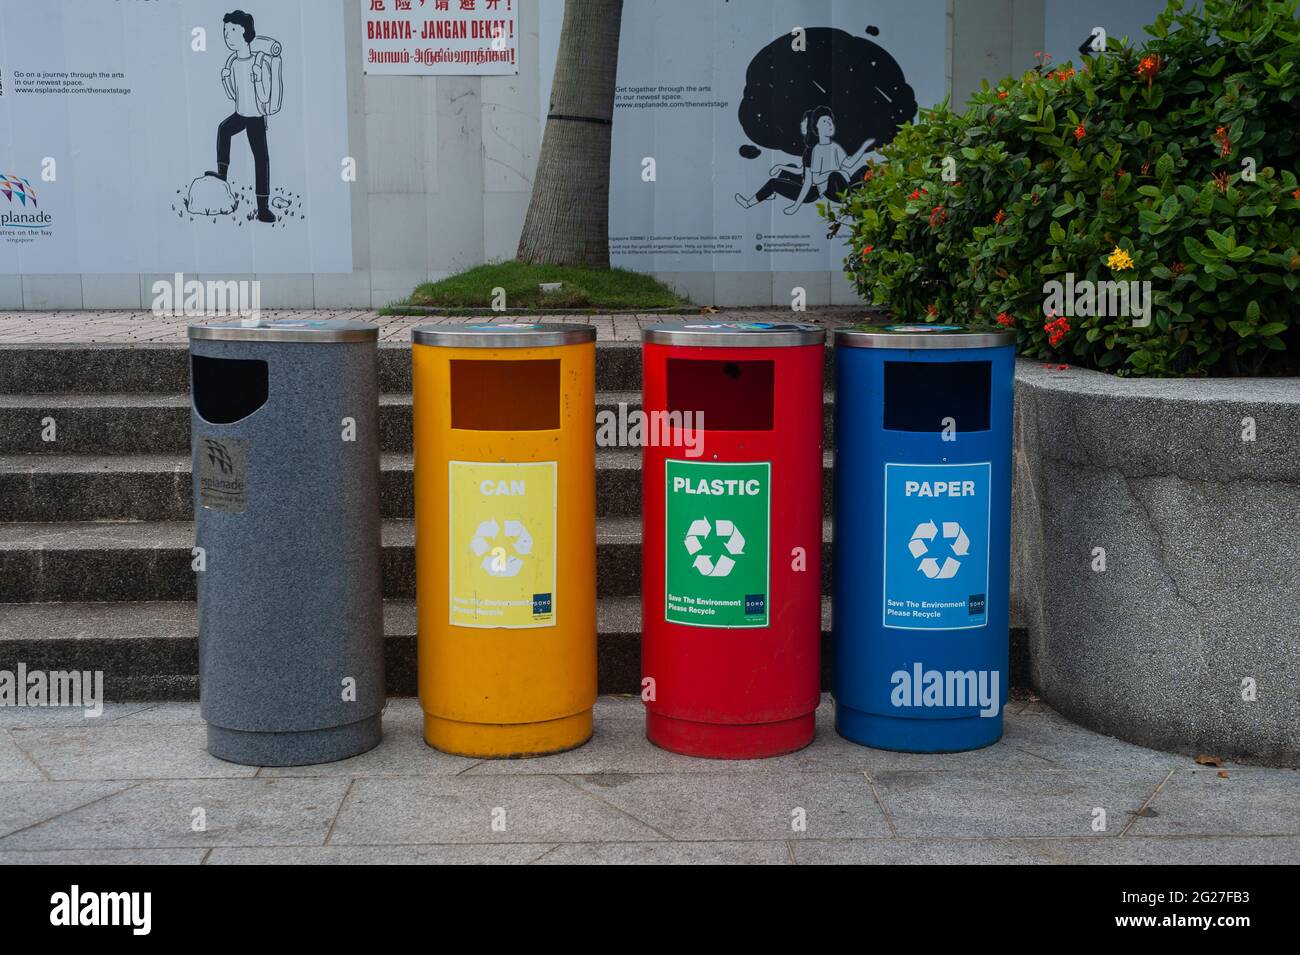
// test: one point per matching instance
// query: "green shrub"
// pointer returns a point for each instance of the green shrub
(1139, 151)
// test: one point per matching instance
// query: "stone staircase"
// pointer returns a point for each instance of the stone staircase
(96, 526)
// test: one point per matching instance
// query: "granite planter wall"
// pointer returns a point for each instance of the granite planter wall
(1199, 599)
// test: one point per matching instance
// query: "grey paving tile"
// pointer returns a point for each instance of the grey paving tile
(25, 804)
(238, 812)
(115, 751)
(162, 714)
(1012, 803)
(14, 764)
(1173, 850)
(105, 857)
(22, 717)
(402, 752)
(1065, 745)
(744, 806)
(620, 746)
(508, 854)
(1249, 801)
(935, 851)
(669, 853)
(460, 809)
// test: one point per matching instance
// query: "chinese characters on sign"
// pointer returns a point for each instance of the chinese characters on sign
(426, 37)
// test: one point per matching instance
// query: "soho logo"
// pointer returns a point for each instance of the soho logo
(74, 907)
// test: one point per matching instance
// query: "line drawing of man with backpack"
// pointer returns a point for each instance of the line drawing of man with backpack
(252, 78)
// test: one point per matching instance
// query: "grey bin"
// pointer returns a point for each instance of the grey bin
(291, 664)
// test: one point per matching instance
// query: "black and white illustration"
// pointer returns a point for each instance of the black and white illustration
(197, 136)
(734, 121)
(252, 79)
(826, 98)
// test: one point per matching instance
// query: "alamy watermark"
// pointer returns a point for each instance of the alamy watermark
(23, 687)
(624, 428)
(181, 298)
(920, 687)
(1104, 299)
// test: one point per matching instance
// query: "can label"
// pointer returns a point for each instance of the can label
(502, 547)
(717, 534)
(936, 549)
(223, 474)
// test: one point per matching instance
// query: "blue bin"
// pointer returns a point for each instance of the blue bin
(922, 547)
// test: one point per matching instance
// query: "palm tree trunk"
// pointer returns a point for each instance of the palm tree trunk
(568, 215)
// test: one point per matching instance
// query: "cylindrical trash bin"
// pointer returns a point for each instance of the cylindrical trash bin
(731, 536)
(285, 424)
(922, 545)
(505, 514)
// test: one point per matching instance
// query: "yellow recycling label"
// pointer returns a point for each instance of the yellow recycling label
(502, 561)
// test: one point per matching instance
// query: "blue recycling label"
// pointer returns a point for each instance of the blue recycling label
(936, 546)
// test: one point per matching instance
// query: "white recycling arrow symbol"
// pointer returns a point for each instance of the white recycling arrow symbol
(497, 560)
(923, 538)
(733, 543)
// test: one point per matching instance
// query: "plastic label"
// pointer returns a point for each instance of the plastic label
(223, 475)
(502, 548)
(936, 550)
(717, 532)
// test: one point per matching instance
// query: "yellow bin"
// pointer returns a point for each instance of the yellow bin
(505, 536)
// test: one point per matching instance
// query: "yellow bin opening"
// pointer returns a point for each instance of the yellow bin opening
(505, 536)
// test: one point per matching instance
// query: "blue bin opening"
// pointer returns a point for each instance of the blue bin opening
(919, 395)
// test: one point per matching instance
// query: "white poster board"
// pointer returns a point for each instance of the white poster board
(112, 112)
(429, 37)
(710, 153)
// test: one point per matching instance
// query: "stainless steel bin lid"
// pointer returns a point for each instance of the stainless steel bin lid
(882, 335)
(705, 334)
(504, 335)
(316, 331)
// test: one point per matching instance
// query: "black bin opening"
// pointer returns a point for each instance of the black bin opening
(227, 390)
(505, 395)
(731, 395)
(920, 395)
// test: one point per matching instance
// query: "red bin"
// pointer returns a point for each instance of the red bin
(731, 491)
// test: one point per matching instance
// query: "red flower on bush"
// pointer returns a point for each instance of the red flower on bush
(867, 250)
(1148, 68)
(1225, 141)
(932, 310)
(1002, 94)
(1080, 132)
(937, 216)
(1056, 330)
(1000, 217)
(1296, 195)
(1005, 319)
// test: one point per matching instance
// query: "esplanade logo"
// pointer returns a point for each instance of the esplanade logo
(17, 189)
(21, 211)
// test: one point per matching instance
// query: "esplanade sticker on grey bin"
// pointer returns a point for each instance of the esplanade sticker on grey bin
(223, 474)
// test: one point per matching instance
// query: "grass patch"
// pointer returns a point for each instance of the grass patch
(582, 288)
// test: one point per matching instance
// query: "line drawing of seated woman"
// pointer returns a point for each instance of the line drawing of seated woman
(826, 170)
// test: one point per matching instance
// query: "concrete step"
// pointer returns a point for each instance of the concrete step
(164, 369)
(141, 423)
(150, 561)
(53, 488)
(149, 651)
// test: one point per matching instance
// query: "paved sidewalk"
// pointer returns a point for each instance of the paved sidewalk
(123, 327)
(128, 786)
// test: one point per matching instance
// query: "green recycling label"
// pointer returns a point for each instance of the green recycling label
(717, 534)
